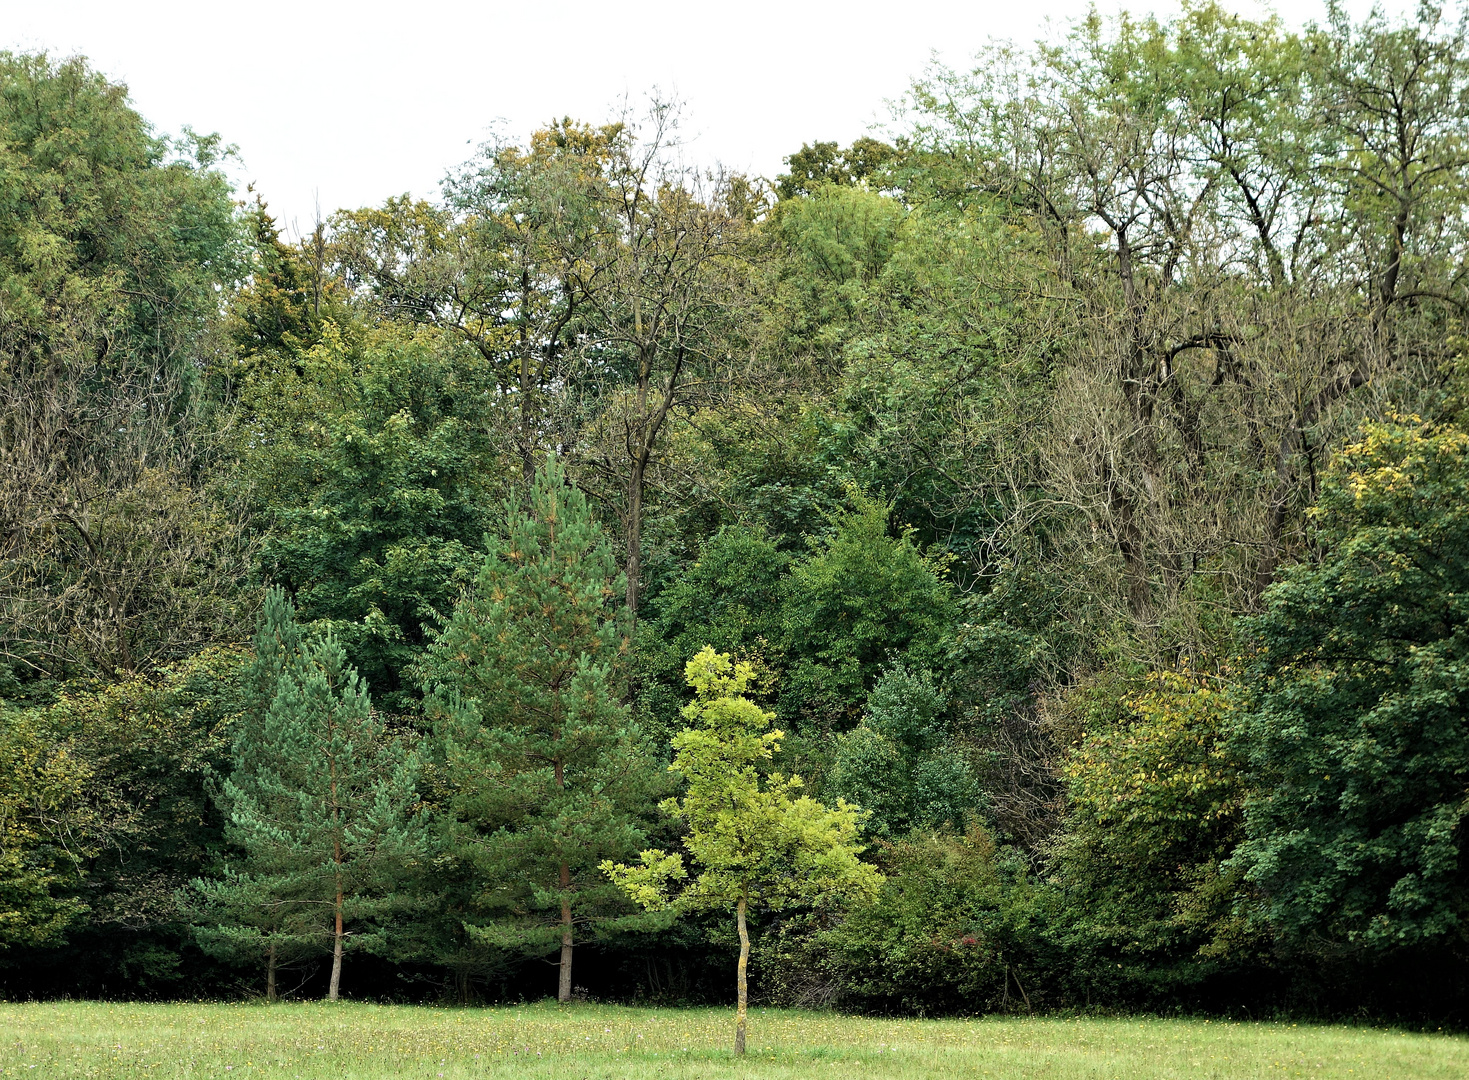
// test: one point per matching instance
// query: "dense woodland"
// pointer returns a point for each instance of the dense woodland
(1045, 520)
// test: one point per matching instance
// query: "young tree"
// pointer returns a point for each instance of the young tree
(523, 685)
(244, 917)
(758, 843)
(252, 912)
(321, 798)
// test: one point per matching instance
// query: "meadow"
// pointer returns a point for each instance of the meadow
(366, 1042)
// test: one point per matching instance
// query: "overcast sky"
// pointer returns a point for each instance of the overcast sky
(344, 104)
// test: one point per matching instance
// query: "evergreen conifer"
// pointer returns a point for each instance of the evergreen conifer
(321, 799)
(549, 770)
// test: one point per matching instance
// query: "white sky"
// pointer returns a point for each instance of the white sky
(343, 104)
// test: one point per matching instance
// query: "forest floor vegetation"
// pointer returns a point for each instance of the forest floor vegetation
(315, 1040)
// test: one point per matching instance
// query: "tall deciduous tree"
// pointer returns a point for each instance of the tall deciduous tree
(1353, 736)
(597, 273)
(494, 265)
(1252, 235)
(113, 245)
(756, 842)
(525, 683)
(660, 284)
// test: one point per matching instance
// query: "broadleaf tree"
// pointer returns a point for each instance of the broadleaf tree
(37, 777)
(1353, 735)
(757, 843)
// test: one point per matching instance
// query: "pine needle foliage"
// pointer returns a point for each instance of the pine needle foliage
(322, 801)
(524, 685)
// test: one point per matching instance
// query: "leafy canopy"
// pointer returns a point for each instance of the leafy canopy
(754, 839)
(1354, 739)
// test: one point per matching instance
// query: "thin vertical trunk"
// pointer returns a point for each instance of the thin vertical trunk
(336, 983)
(563, 988)
(270, 994)
(742, 991)
(635, 476)
(563, 985)
(635, 538)
(650, 424)
(527, 441)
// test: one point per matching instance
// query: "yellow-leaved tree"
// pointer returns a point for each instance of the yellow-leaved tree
(756, 841)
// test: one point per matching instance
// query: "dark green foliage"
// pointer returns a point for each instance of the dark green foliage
(730, 598)
(550, 777)
(819, 629)
(1046, 471)
(900, 764)
(1354, 735)
(822, 164)
(860, 600)
(320, 798)
(375, 472)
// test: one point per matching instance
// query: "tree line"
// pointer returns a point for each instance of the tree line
(1010, 562)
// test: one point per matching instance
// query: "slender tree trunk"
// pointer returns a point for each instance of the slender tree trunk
(527, 453)
(336, 983)
(563, 989)
(650, 424)
(270, 994)
(635, 477)
(742, 989)
(635, 538)
(563, 985)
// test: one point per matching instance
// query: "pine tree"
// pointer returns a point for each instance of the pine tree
(321, 799)
(248, 916)
(247, 911)
(550, 775)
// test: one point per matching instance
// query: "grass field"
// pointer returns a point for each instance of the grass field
(352, 1041)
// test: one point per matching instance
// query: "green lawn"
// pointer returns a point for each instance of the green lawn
(350, 1041)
